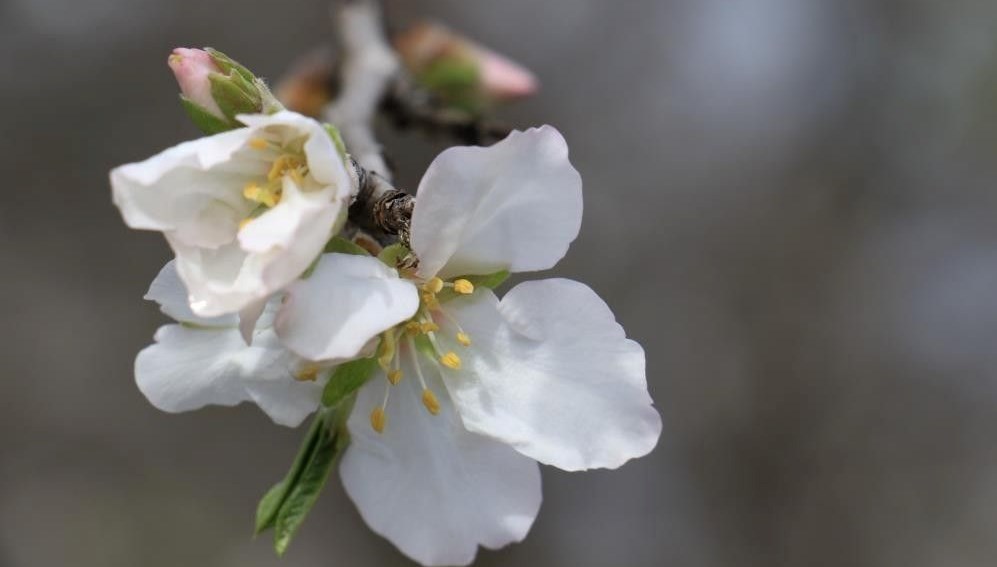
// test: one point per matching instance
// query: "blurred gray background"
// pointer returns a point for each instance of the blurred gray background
(789, 203)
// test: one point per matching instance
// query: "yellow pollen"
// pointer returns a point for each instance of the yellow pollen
(296, 176)
(307, 374)
(430, 300)
(413, 328)
(429, 327)
(429, 400)
(395, 376)
(378, 419)
(463, 339)
(463, 287)
(258, 143)
(244, 222)
(450, 360)
(433, 286)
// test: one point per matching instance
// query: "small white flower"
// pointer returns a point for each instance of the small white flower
(444, 445)
(245, 211)
(204, 361)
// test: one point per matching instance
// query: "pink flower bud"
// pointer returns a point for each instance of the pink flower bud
(192, 67)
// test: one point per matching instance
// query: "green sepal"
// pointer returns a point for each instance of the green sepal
(227, 64)
(347, 379)
(491, 281)
(457, 81)
(344, 246)
(393, 254)
(203, 118)
(233, 96)
(337, 139)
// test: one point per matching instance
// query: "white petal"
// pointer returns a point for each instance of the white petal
(432, 488)
(346, 301)
(171, 294)
(192, 189)
(551, 373)
(187, 369)
(248, 318)
(516, 205)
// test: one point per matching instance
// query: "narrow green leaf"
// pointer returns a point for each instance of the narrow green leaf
(203, 119)
(270, 504)
(343, 246)
(347, 378)
(491, 281)
(393, 254)
(305, 491)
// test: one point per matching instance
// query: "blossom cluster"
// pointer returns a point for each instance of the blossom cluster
(466, 392)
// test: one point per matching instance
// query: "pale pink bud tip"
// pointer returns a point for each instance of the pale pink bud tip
(503, 78)
(191, 68)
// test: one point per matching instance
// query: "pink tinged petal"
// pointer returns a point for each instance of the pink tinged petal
(171, 294)
(347, 301)
(516, 205)
(551, 373)
(192, 67)
(187, 369)
(433, 489)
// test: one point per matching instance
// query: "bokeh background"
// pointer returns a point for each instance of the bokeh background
(790, 203)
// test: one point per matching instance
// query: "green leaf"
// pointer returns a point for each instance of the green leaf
(491, 281)
(303, 494)
(343, 246)
(337, 139)
(347, 378)
(203, 119)
(273, 500)
(392, 255)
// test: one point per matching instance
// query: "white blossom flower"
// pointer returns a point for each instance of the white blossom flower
(204, 361)
(246, 211)
(544, 375)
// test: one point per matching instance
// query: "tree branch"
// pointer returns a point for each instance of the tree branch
(367, 70)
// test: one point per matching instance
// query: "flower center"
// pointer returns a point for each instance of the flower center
(287, 160)
(421, 338)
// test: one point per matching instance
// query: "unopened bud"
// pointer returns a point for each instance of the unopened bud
(215, 89)
(462, 72)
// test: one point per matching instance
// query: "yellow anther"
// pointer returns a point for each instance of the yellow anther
(463, 339)
(430, 300)
(252, 191)
(386, 350)
(307, 373)
(433, 286)
(270, 198)
(244, 222)
(395, 376)
(258, 143)
(378, 419)
(429, 400)
(463, 287)
(282, 165)
(413, 328)
(450, 360)
(296, 176)
(429, 327)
